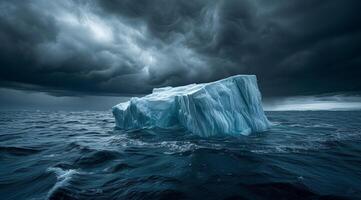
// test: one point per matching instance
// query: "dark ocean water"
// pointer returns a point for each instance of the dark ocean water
(79, 155)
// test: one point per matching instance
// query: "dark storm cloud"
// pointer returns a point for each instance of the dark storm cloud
(123, 47)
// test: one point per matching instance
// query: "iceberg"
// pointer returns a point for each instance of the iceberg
(231, 106)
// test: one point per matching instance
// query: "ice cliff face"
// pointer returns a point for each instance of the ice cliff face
(229, 106)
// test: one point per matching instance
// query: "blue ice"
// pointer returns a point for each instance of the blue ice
(229, 106)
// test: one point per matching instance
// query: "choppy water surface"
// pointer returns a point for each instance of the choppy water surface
(79, 155)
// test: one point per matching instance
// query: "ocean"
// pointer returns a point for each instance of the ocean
(80, 155)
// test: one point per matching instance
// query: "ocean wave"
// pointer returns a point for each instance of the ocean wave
(280, 190)
(170, 146)
(303, 125)
(281, 149)
(123, 141)
(97, 158)
(89, 159)
(63, 178)
(18, 151)
(118, 167)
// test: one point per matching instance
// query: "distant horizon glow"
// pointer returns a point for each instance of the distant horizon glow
(321, 106)
(313, 103)
(14, 100)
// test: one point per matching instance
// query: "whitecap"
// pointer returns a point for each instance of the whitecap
(63, 178)
(178, 147)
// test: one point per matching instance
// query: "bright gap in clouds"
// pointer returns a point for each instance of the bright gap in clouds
(100, 31)
(85, 21)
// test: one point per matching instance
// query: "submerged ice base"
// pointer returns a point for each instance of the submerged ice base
(229, 106)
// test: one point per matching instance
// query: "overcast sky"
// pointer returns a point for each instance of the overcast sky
(75, 48)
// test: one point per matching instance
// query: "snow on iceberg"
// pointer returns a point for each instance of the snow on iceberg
(229, 106)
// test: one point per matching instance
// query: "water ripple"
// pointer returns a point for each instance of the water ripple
(79, 155)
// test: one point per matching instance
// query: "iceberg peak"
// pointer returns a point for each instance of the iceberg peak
(230, 106)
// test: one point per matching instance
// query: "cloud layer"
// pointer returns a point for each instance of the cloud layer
(129, 47)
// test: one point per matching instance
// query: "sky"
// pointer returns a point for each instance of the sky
(77, 54)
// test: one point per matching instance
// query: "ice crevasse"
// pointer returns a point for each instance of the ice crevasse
(230, 106)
